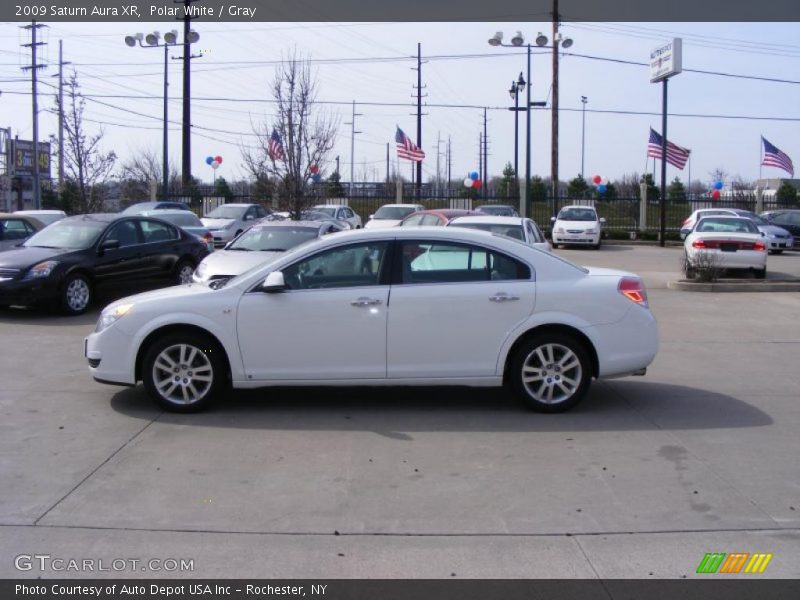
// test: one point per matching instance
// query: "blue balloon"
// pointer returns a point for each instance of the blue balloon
(316, 178)
(209, 160)
(717, 185)
(474, 175)
(601, 188)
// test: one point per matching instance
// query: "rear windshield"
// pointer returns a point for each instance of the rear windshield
(725, 225)
(396, 213)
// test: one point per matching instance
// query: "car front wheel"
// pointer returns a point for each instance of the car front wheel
(184, 272)
(551, 372)
(183, 372)
(76, 294)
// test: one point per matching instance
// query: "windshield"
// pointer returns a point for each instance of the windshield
(395, 213)
(498, 209)
(315, 215)
(577, 214)
(227, 212)
(289, 252)
(512, 231)
(273, 239)
(331, 212)
(181, 220)
(726, 225)
(754, 218)
(67, 234)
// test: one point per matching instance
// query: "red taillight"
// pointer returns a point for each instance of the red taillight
(633, 289)
(760, 246)
(698, 244)
(208, 237)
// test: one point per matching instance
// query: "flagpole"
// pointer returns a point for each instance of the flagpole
(760, 159)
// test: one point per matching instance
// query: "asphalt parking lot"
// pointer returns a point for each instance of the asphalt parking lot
(641, 480)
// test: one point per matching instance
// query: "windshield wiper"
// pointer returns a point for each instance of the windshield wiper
(51, 247)
(240, 249)
(273, 249)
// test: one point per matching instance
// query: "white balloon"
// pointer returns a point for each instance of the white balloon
(468, 182)
(214, 165)
(605, 180)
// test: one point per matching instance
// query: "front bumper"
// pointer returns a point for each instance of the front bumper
(28, 292)
(110, 357)
(576, 238)
(780, 243)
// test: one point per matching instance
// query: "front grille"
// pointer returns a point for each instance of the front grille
(574, 230)
(9, 272)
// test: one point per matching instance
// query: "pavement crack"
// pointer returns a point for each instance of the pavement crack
(97, 468)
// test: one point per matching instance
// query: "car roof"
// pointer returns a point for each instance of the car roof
(288, 223)
(488, 219)
(496, 206)
(449, 213)
(39, 212)
(400, 205)
(330, 206)
(157, 212)
(29, 218)
(731, 217)
(238, 204)
(577, 206)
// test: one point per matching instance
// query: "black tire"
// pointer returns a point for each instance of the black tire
(598, 244)
(565, 386)
(777, 252)
(762, 274)
(194, 357)
(182, 269)
(76, 294)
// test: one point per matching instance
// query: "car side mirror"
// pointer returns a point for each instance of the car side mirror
(602, 219)
(273, 283)
(371, 216)
(552, 219)
(248, 217)
(763, 234)
(108, 245)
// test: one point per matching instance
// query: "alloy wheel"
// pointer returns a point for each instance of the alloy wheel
(182, 374)
(551, 373)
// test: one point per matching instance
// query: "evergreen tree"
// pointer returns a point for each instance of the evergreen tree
(676, 191)
(333, 187)
(221, 188)
(538, 191)
(786, 194)
(509, 184)
(577, 187)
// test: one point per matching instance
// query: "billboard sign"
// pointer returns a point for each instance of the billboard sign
(20, 158)
(665, 61)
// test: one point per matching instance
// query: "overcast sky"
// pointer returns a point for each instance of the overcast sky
(616, 144)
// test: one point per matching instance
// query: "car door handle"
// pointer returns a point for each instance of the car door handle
(364, 301)
(502, 297)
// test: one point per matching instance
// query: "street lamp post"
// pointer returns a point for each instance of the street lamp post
(516, 42)
(151, 40)
(584, 100)
(514, 93)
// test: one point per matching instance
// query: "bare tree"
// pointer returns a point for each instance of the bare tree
(139, 173)
(87, 167)
(307, 134)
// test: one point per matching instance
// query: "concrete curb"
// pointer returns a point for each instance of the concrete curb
(776, 285)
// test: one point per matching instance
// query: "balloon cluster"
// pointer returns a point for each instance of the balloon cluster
(473, 181)
(601, 183)
(315, 176)
(214, 161)
(716, 187)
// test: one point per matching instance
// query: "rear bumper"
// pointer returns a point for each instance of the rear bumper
(741, 259)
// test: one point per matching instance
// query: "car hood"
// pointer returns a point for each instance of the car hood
(582, 225)
(381, 223)
(21, 258)
(773, 230)
(234, 262)
(176, 291)
(216, 223)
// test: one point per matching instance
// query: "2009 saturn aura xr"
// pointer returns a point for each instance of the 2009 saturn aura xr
(414, 306)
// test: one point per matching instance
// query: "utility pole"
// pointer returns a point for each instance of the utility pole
(449, 165)
(353, 133)
(419, 119)
(480, 156)
(584, 100)
(485, 157)
(186, 121)
(438, 172)
(554, 113)
(34, 67)
(387, 163)
(61, 64)
(337, 164)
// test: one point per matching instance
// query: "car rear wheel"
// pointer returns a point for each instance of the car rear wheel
(183, 272)
(183, 372)
(550, 372)
(76, 294)
(761, 274)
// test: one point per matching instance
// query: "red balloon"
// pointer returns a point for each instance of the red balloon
(715, 194)
(476, 184)
(314, 169)
(597, 179)
(218, 159)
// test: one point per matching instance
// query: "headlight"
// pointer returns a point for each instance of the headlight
(111, 315)
(43, 269)
(592, 230)
(559, 230)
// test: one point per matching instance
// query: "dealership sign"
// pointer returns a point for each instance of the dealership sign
(20, 158)
(665, 61)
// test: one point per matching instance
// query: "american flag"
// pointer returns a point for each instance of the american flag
(676, 156)
(275, 149)
(775, 158)
(406, 148)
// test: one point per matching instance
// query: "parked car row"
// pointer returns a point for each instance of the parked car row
(775, 226)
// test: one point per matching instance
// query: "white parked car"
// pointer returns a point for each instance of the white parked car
(46, 216)
(390, 215)
(229, 220)
(726, 243)
(578, 225)
(340, 212)
(518, 228)
(777, 238)
(260, 244)
(495, 312)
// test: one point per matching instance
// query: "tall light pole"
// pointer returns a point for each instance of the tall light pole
(514, 93)
(151, 40)
(516, 42)
(584, 100)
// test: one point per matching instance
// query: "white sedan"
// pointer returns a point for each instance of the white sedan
(578, 225)
(390, 215)
(495, 312)
(722, 242)
(524, 230)
(340, 212)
